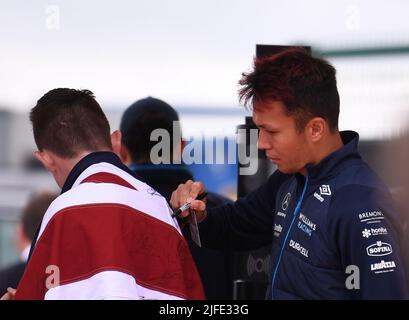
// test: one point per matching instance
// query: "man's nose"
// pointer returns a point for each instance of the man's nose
(262, 142)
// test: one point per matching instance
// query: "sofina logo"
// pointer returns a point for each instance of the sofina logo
(379, 249)
(286, 201)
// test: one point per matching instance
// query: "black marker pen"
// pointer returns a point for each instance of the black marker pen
(187, 205)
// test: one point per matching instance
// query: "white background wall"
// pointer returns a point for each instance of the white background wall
(187, 52)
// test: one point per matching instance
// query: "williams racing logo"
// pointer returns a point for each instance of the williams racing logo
(306, 225)
(379, 249)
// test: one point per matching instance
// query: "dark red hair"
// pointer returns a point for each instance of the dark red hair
(306, 85)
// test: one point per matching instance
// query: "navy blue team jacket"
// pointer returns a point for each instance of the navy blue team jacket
(334, 233)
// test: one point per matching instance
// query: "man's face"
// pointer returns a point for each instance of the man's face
(287, 148)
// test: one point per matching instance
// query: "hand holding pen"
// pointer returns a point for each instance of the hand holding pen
(187, 205)
(187, 196)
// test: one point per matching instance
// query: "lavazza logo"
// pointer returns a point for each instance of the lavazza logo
(383, 266)
(379, 249)
(366, 233)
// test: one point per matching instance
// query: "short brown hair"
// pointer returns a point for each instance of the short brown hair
(67, 121)
(306, 85)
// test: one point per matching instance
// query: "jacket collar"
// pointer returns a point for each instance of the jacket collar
(90, 159)
(337, 160)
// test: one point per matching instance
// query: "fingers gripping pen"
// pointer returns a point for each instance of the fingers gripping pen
(187, 205)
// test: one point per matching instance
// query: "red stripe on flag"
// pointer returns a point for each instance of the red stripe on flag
(87, 239)
(106, 177)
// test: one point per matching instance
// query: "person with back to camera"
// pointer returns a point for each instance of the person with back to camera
(106, 236)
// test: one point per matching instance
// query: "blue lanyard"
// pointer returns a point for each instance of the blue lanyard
(297, 209)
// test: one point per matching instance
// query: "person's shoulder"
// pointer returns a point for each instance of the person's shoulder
(359, 173)
(359, 183)
(356, 202)
(353, 195)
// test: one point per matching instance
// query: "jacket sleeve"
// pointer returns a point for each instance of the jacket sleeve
(245, 224)
(365, 231)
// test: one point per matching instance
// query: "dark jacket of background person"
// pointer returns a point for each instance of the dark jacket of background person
(137, 124)
(31, 218)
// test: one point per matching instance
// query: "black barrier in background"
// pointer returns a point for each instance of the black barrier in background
(251, 269)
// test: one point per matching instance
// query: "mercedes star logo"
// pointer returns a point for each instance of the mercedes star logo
(286, 201)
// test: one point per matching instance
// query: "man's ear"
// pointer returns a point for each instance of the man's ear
(46, 159)
(316, 128)
(116, 141)
(120, 150)
(125, 155)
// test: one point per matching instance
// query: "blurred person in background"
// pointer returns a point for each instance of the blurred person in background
(31, 217)
(394, 156)
(137, 124)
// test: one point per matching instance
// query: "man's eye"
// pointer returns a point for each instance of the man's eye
(271, 131)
